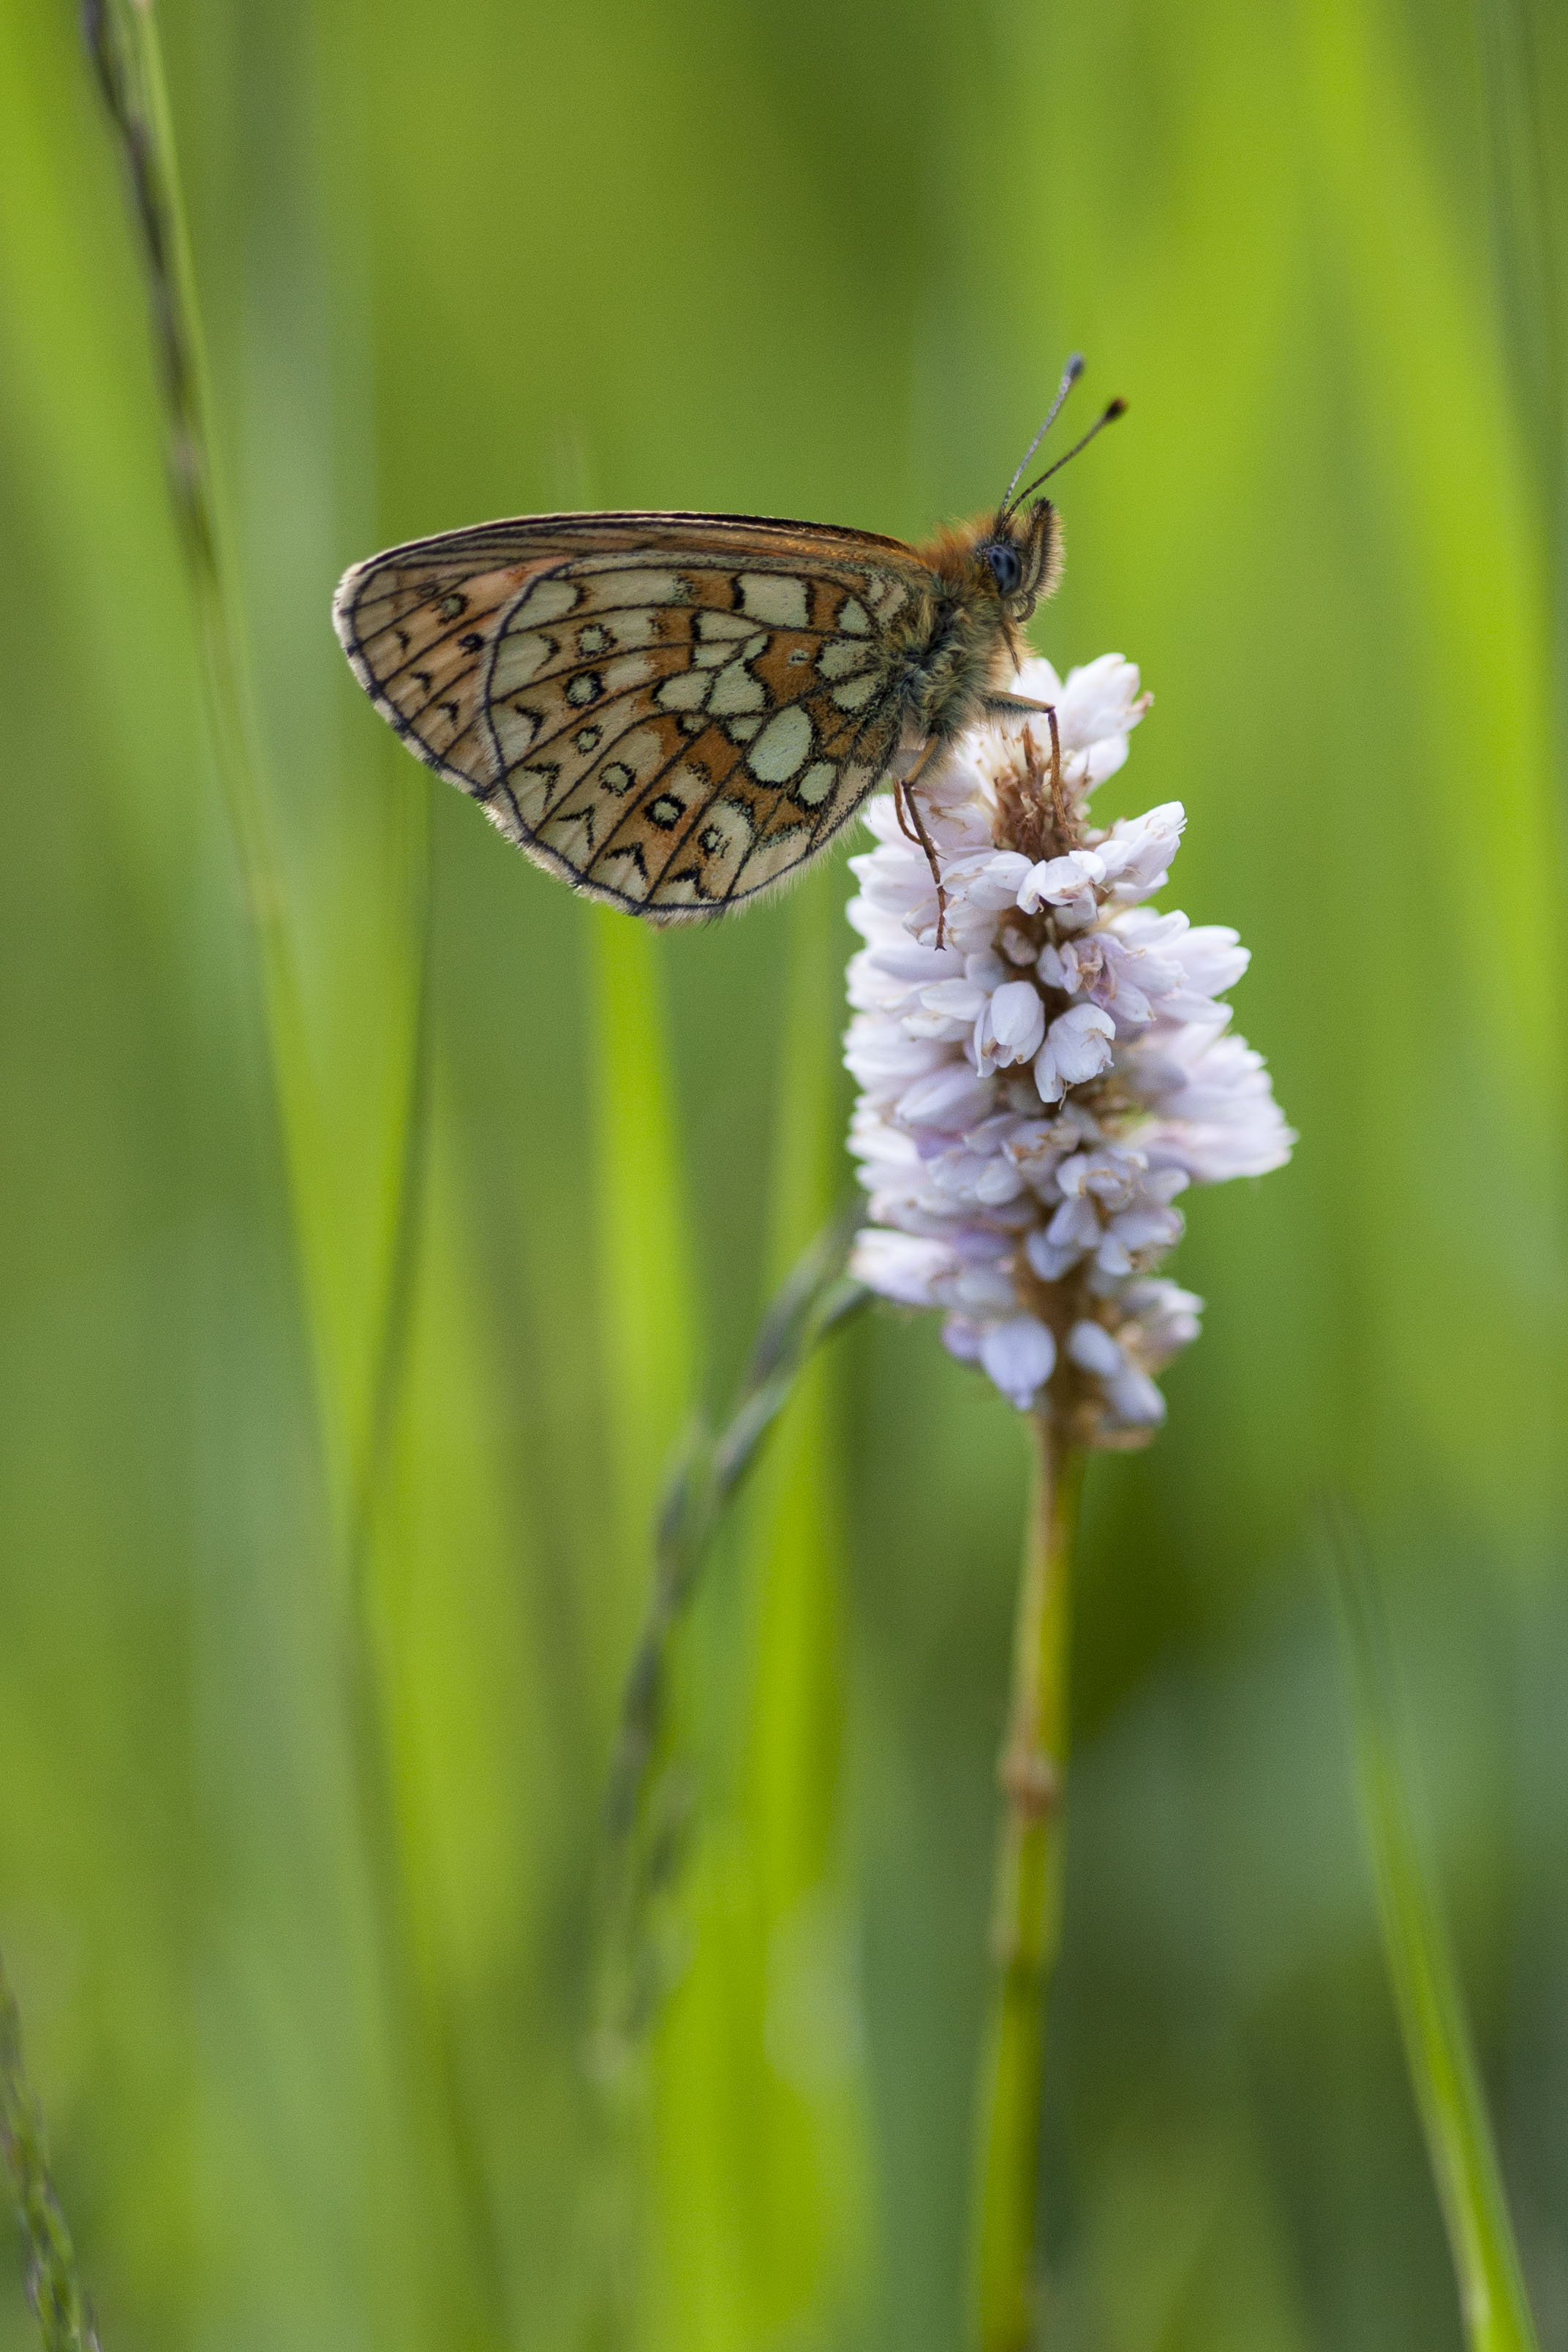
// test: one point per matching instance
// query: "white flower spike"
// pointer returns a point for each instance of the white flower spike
(1035, 1092)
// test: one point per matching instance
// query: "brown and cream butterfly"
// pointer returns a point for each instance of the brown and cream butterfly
(674, 713)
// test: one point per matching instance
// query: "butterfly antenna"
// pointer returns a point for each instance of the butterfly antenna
(1117, 408)
(1070, 375)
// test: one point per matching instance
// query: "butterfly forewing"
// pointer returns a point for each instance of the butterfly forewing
(674, 713)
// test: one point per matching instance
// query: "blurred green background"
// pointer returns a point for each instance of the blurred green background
(298, 1831)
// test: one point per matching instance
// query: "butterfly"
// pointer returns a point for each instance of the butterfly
(674, 713)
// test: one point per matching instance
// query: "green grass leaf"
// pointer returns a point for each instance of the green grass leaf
(1437, 2046)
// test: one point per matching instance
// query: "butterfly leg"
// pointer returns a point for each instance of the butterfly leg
(1058, 798)
(903, 796)
(1002, 704)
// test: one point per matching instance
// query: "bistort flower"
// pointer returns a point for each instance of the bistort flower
(1039, 1091)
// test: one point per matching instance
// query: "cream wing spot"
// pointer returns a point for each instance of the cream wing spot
(520, 657)
(644, 585)
(842, 656)
(719, 629)
(625, 630)
(515, 729)
(783, 747)
(855, 694)
(643, 752)
(735, 689)
(530, 789)
(771, 858)
(687, 690)
(776, 597)
(854, 618)
(815, 784)
(885, 597)
(550, 599)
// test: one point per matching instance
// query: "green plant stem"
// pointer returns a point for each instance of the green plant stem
(1027, 1924)
(816, 1299)
(123, 44)
(65, 2321)
(1438, 2051)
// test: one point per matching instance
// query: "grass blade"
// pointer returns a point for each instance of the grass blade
(65, 2322)
(1437, 2046)
(707, 1478)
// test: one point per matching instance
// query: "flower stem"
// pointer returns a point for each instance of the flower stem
(65, 2321)
(1027, 1924)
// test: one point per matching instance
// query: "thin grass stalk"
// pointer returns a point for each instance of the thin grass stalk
(711, 1470)
(1438, 2051)
(54, 2283)
(1026, 1922)
(122, 41)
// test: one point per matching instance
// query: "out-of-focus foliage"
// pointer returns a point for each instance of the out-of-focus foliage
(299, 1856)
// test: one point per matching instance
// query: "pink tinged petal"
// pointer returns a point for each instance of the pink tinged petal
(1100, 699)
(1002, 879)
(1057, 967)
(989, 883)
(955, 999)
(1134, 1399)
(1104, 759)
(1212, 958)
(994, 1134)
(997, 1181)
(962, 1337)
(983, 1290)
(1093, 1350)
(1078, 1047)
(1017, 1021)
(1036, 681)
(1020, 1356)
(1050, 1261)
(1163, 1319)
(1146, 1229)
(951, 1098)
(1075, 1225)
(913, 965)
(899, 1266)
(1061, 881)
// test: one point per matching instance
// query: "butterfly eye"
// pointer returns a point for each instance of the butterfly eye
(1006, 565)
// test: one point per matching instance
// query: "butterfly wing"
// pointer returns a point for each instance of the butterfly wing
(671, 711)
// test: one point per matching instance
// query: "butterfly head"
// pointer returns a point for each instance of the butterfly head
(1023, 553)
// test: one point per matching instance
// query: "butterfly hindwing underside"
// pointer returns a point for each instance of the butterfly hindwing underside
(672, 712)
